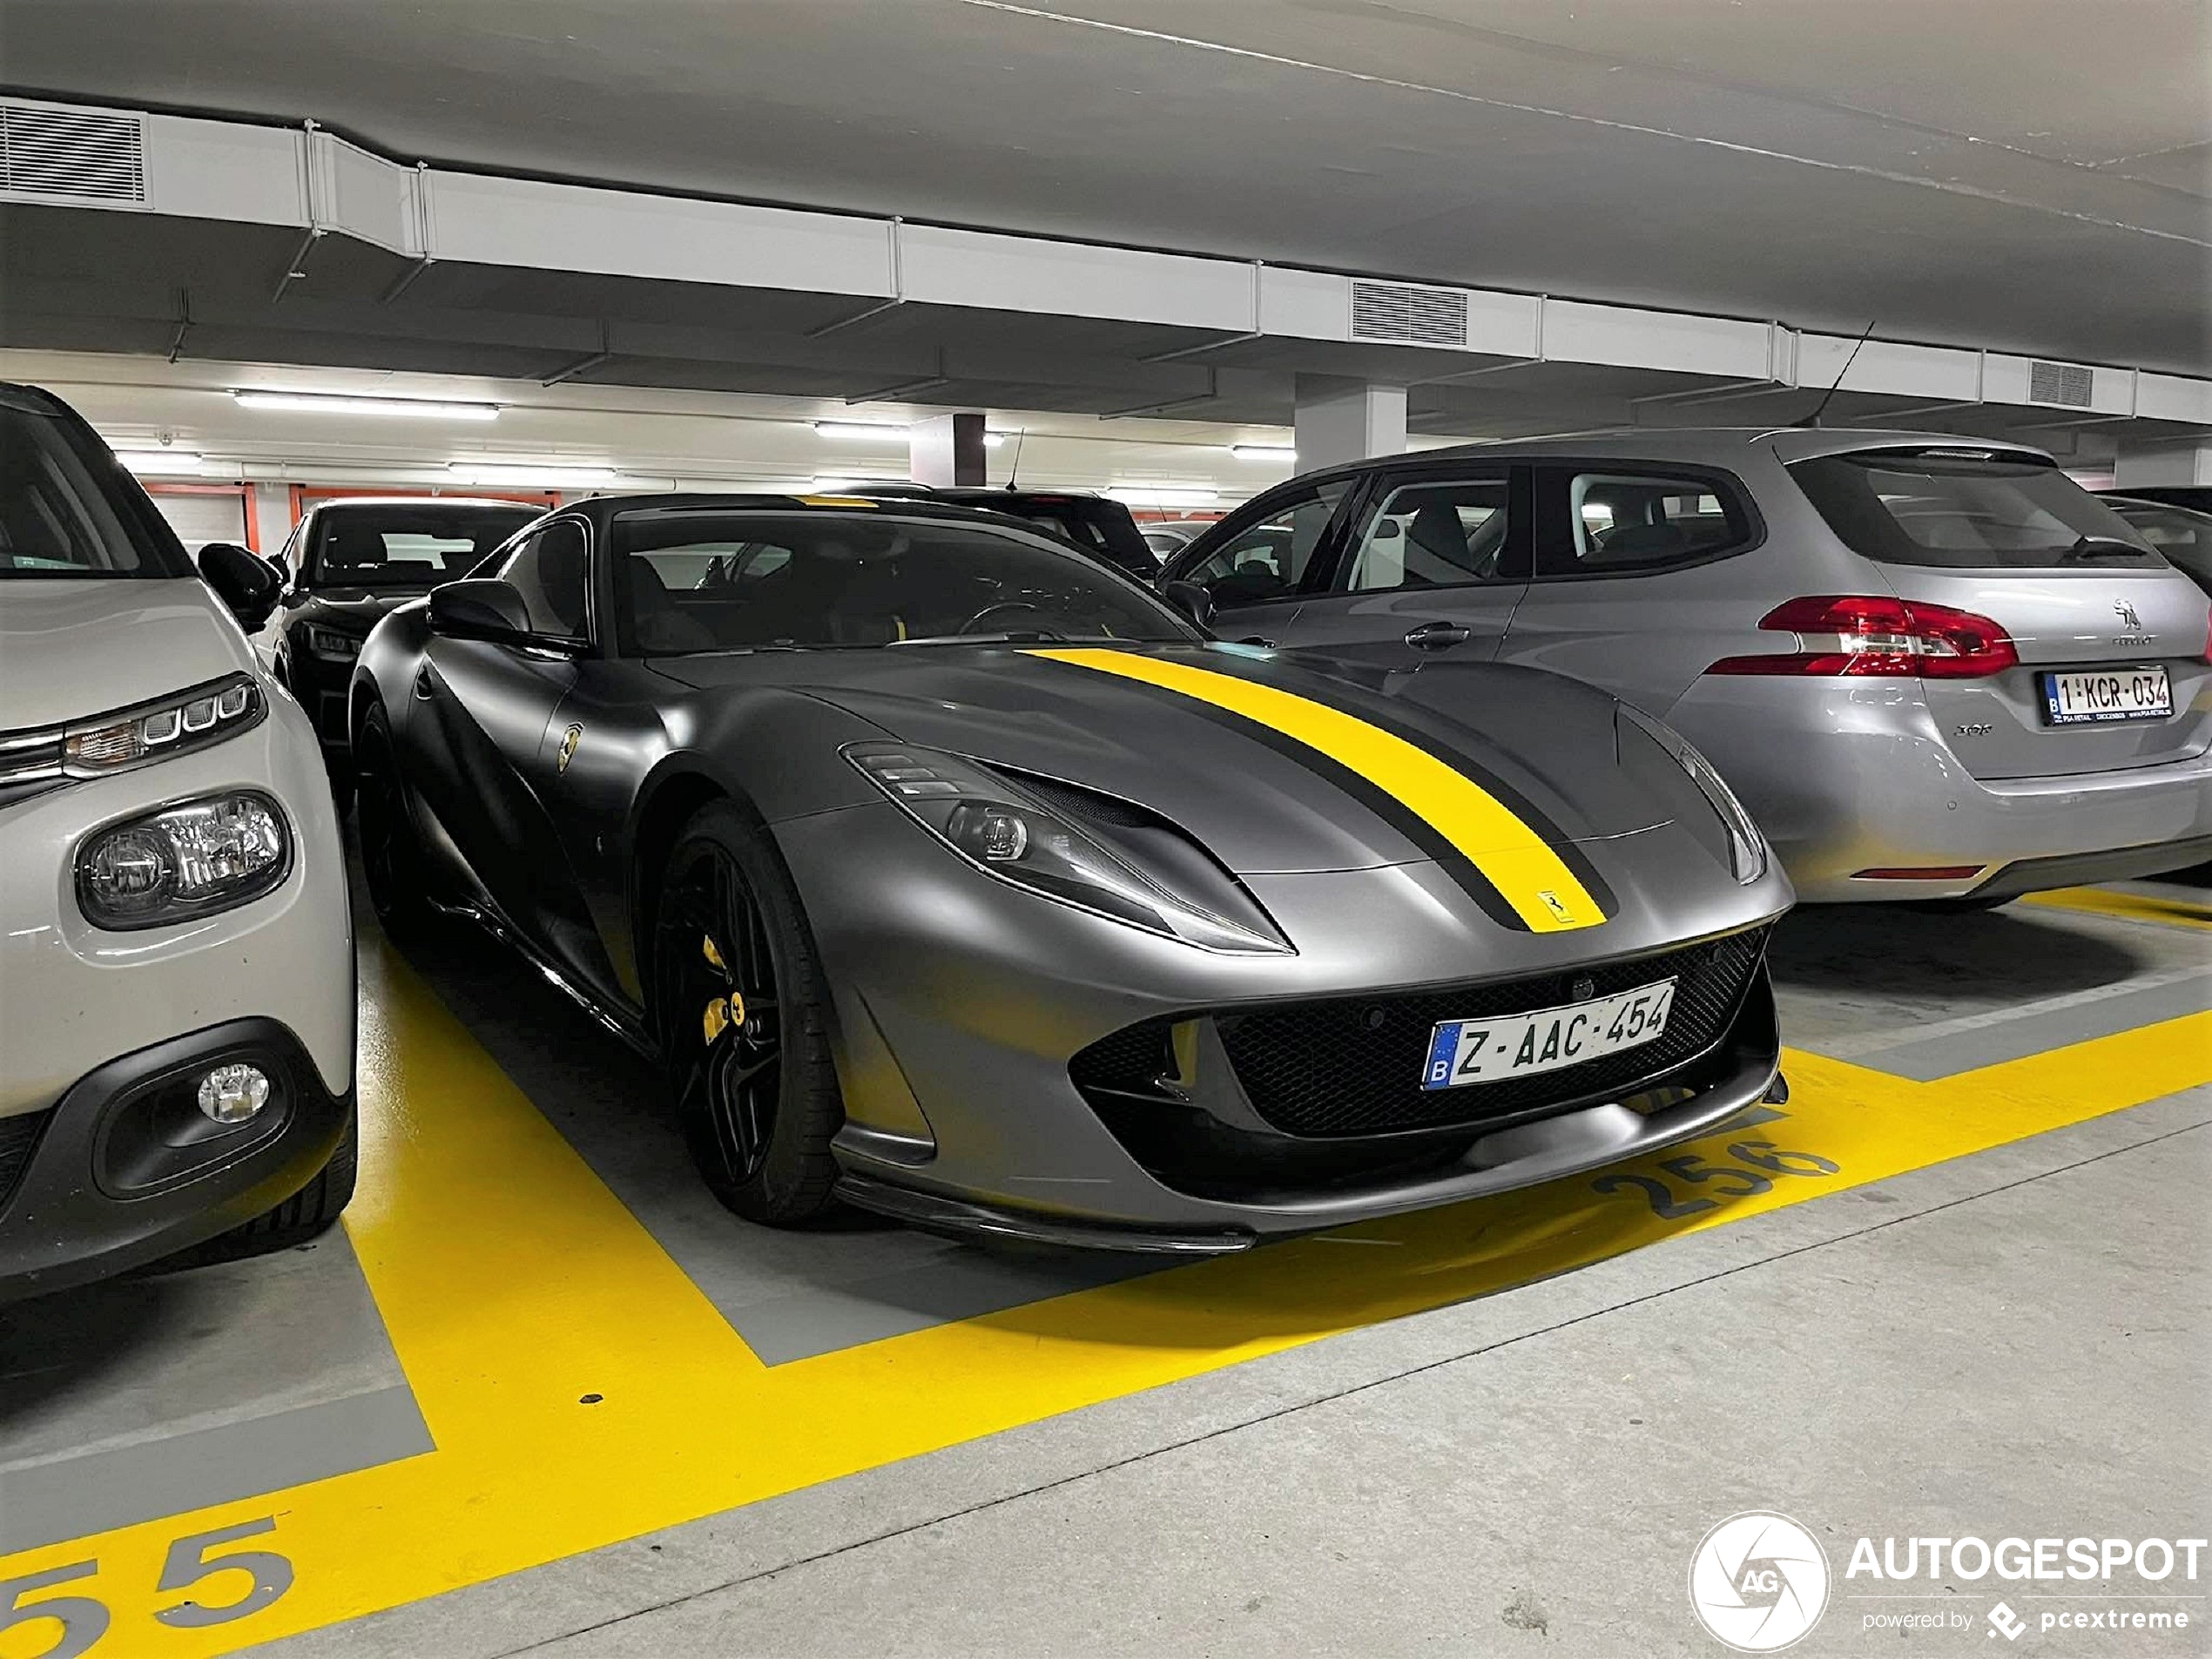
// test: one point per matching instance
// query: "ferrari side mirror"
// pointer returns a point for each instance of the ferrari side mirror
(1191, 599)
(479, 608)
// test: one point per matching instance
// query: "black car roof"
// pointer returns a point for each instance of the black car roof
(601, 508)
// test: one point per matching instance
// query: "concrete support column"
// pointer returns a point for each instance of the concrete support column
(2143, 464)
(271, 505)
(1341, 420)
(946, 449)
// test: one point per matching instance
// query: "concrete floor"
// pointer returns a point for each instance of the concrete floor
(2010, 1342)
(2014, 1343)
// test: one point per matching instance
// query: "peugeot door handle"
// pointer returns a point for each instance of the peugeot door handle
(1439, 636)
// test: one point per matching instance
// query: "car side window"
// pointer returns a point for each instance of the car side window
(1267, 557)
(1435, 533)
(1625, 522)
(551, 570)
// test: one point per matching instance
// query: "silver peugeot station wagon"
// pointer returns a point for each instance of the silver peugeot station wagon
(1932, 667)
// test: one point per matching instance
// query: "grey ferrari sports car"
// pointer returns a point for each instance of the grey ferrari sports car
(951, 874)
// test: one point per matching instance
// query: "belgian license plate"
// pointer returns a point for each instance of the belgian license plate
(1462, 1052)
(2093, 697)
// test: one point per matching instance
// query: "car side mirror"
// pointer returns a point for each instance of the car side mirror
(243, 581)
(479, 608)
(1191, 599)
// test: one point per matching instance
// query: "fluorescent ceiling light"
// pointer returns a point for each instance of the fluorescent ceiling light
(1162, 495)
(556, 475)
(1263, 452)
(421, 408)
(833, 485)
(867, 431)
(157, 461)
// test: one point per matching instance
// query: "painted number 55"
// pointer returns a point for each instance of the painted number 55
(85, 1619)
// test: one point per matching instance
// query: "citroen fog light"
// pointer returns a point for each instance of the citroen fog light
(234, 1094)
(191, 860)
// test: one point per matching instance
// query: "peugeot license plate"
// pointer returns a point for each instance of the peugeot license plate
(1462, 1052)
(2092, 696)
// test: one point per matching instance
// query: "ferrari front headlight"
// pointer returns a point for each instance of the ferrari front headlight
(1135, 871)
(1747, 852)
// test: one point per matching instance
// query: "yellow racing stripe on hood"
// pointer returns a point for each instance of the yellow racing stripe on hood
(1511, 857)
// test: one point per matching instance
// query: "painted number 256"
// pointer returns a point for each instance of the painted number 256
(1756, 1163)
(85, 1619)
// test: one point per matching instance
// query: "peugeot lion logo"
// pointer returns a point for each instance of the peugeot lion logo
(2128, 619)
(1758, 1582)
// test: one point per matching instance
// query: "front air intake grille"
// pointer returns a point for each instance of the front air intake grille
(18, 1140)
(72, 155)
(1405, 315)
(1351, 1066)
(2068, 385)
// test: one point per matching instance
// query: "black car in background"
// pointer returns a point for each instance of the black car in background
(1099, 525)
(347, 563)
(2197, 497)
(2183, 534)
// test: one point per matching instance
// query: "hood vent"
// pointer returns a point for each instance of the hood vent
(72, 155)
(2068, 385)
(1405, 315)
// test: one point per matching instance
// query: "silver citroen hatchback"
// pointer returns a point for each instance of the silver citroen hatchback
(1934, 668)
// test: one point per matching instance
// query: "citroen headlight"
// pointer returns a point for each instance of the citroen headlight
(191, 860)
(1117, 861)
(168, 725)
(1747, 854)
(330, 643)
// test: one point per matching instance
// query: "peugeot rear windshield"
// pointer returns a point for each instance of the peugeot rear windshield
(710, 580)
(64, 510)
(406, 544)
(1969, 510)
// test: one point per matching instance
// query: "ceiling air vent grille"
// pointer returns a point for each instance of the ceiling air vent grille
(2065, 383)
(1407, 316)
(73, 155)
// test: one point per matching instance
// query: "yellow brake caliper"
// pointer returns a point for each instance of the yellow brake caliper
(722, 1012)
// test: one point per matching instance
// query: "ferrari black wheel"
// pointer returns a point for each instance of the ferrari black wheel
(743, 1015)
(390, 859)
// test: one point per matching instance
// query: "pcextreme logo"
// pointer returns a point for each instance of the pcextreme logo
(1758, 1582)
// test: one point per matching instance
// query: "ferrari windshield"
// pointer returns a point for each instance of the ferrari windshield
(690, 580)
(406, 544)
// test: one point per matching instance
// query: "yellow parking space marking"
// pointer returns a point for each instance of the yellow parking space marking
(581, 1390)
(1512, 858)
(2126, 907)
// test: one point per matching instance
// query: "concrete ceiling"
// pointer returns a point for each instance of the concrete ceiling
(187, 303)
(2028, 175)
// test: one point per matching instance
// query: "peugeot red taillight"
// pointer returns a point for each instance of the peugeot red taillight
(1885, 638)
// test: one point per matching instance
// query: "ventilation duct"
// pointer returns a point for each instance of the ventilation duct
(1408, 316)
(58, 154)
(2068, 385)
